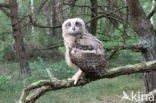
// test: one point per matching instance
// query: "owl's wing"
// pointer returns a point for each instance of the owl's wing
(90, 63)
(84, 55)
(92, 42)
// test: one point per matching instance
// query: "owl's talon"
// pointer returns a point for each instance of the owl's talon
(70, 79)
(73, 79)
(75, 82)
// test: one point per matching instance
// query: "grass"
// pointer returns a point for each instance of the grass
(101, 91)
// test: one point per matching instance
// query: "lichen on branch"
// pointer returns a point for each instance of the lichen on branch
(32, 92)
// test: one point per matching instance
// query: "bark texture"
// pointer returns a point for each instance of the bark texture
(55, 17)
(24, 67)
(146, 36)
(94, 14)
(47, 16)
(33, 15)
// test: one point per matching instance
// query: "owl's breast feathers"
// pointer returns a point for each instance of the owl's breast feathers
(87, 59)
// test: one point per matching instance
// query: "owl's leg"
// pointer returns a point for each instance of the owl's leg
(77, 76)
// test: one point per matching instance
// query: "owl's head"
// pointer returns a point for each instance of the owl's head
(73, 27)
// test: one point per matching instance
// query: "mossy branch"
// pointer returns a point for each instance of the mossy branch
(42, 86)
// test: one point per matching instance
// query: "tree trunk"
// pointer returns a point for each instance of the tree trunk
(72, 7)
(62, 10)
(55, 16)
(94, 13)
(24, 67)
(46, 14)
(32, 11)
(146, 36)
(153, 10)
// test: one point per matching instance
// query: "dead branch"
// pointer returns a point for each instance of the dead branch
(108, 13)
(112, 54)
(153, 10)
(107, 35)
(5, 6)
(70, 4)
(115, 49)
(5, 33)
(138, 47)
(41, 26)
(43, 86)
(52, 47)
(84, 6)
(97, 17)
(39, 8)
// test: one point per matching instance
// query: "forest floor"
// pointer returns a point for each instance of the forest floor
(101, 91)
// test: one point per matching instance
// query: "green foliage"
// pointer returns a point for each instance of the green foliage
(41, 38)
(5, 82)
(1, 51)
(61, 49)
(39, 67)
(5, 37)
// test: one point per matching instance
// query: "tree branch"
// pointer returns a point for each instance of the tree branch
(43, 2)
(41, 26)
(97, 17)
(115, 49)
(43, 86)
(70, 4)
(82, 6)
(52, 47)
(138, 47)
(5, 6)
(111, 55)
(153, 10)
(108, 13)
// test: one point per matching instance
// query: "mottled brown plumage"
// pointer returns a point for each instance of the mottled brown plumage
(83, 51)
(90, 63)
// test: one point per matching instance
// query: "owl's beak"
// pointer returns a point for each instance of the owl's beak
(73, 28)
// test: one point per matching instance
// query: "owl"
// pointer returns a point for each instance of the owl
(84, 52)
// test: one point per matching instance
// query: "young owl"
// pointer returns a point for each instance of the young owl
(84, 52)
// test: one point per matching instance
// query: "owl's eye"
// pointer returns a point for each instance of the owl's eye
(69, 24)
(77, 24)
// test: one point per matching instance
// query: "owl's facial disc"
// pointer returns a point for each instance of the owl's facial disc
(74, 27)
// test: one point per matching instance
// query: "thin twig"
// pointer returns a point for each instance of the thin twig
(108, 13)
(49, 73)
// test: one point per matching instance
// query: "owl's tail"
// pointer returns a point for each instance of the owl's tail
(93, 75)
